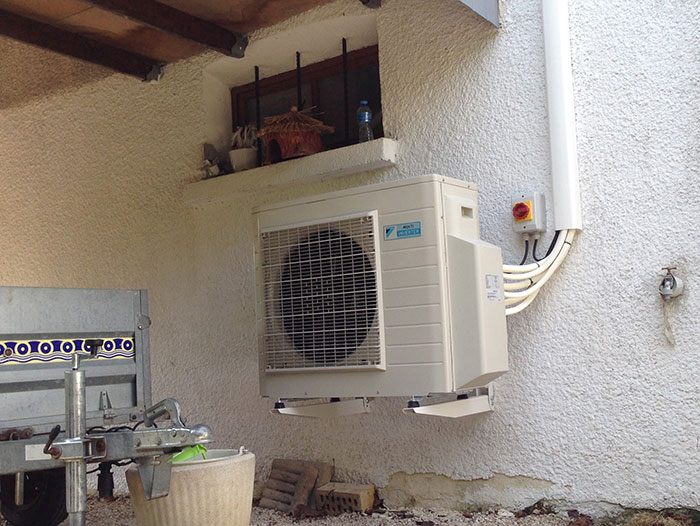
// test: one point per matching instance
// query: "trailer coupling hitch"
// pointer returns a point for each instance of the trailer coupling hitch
(168, 409)
(151, 447)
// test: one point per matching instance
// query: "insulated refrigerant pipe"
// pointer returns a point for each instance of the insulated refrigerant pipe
(522, 305)
(523, 294)
(527, 271)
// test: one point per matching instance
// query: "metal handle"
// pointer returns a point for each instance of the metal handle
(94, 346)
(48, 449)
(168, 408)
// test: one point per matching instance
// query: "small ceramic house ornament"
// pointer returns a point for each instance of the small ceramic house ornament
(293, 134)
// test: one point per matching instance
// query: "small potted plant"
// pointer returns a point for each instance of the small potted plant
(244, 152)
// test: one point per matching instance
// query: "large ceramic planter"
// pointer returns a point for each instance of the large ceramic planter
(213, 492)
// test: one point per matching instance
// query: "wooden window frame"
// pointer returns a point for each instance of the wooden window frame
(310, 74)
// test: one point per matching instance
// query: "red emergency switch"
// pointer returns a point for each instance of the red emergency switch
(522, 211)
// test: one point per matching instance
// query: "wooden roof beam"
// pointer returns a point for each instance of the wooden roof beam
(77, 46)
(165, 18)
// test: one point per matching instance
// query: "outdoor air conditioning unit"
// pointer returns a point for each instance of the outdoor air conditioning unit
(381, 290)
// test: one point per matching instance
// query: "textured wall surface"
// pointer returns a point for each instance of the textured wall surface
(598, 408)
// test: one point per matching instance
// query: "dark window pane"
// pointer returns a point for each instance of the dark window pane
(363, 84)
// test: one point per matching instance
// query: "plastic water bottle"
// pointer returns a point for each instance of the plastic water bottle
(364, 118)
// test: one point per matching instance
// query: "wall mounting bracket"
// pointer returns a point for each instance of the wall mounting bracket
(238, 49)
(355, 406)
(472, 402)
(154, 75)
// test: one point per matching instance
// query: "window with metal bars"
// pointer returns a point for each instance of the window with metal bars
(321, 88)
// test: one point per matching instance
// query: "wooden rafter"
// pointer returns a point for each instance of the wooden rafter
(74, 45)
(165, 18)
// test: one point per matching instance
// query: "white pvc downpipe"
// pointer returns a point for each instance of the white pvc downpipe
(562, 123)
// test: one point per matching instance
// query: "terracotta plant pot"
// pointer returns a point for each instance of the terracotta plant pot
(211, 492)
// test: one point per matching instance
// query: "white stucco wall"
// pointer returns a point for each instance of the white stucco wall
(597, 409)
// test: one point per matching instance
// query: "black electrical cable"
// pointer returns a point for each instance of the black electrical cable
(549, 250)
(527, 249)
(102, 429)
(554, 242)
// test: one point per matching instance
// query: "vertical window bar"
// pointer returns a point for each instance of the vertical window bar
(346, 102)
(300, 104)
(258, 120)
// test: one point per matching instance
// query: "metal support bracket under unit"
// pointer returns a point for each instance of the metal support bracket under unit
(486, 9)
(473, 402)
(332, 409)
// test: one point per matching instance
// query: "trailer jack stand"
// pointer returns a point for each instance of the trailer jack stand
(76, 467)
(105, 482)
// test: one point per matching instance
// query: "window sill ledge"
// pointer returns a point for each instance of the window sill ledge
(363, 157)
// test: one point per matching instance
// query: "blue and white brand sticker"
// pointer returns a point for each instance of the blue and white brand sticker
(402, 231)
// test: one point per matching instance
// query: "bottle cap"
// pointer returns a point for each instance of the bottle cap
(363, 103)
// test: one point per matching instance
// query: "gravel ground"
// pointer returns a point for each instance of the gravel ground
(119, 513)
(413, 517)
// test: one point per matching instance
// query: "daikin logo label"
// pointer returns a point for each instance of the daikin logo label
(402, 231)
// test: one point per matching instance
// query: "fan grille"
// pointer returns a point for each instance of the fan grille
(320, 290)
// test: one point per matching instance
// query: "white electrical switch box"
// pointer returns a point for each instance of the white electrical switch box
(529, 213)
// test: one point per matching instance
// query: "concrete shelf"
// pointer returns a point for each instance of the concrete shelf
(363, 157)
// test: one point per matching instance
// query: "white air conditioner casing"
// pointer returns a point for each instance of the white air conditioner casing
(381, 290)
